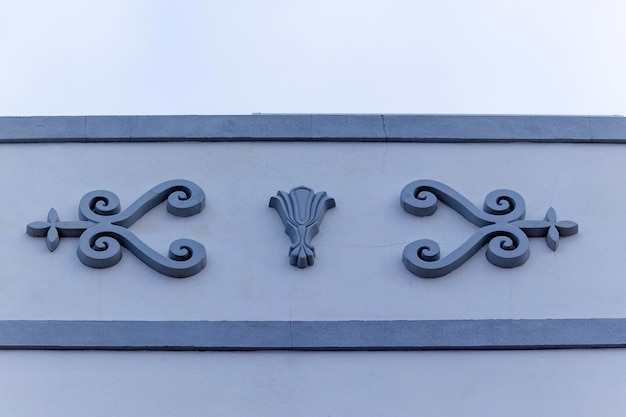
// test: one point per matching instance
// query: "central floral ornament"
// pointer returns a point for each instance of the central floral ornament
(501, 226)
(103, 229)
(301, 211)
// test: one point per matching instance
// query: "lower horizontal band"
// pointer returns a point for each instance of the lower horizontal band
(314, 335)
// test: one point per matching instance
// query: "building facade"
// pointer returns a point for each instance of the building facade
(341, 265)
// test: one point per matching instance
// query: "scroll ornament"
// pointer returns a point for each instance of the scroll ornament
(301, 211)
(501, 227)
(103, 229)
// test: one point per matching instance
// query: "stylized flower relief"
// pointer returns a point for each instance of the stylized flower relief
(501, 224)
(301, 211)
(103, 229)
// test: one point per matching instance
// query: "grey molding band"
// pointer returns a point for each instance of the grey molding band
(314, 335)
(320, 127)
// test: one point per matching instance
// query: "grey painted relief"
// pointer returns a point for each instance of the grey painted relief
(103, 229)
(301, 211)
(501, 227)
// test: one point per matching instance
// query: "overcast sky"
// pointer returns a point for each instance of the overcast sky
(241, 57)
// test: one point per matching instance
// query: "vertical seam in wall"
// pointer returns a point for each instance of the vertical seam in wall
(382, 116)
(133, 128)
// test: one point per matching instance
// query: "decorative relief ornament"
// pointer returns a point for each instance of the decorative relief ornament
(103, 229)
(301, 211)
(501, 226)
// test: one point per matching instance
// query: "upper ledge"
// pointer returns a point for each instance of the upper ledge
(316, 127)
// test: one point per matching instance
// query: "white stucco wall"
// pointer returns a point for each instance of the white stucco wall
(358, 272)
(358, 275)
(284, 384)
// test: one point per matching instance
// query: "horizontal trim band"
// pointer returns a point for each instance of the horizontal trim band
(336, 128)
(313, 335)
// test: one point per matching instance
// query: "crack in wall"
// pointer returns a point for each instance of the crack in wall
(382, 116)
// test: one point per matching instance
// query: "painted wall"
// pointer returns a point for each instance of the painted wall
(358, 272)
(358, 275)
(511, 383)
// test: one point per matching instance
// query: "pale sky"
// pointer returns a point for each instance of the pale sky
(239, 57)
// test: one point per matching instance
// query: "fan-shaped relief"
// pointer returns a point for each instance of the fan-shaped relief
(501, 222)
(301, 211)
(103, 229)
